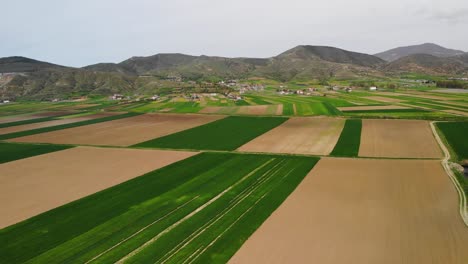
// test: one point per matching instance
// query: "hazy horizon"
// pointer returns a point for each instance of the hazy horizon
(81, 33)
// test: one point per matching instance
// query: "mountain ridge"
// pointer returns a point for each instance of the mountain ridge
(425, 48)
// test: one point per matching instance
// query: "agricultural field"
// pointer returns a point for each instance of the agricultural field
(275, 176)
(57, 122)
(123, 132)
(350, 139)
(456, 134)
(200, 210)
(13, 132)
(245, 110)
(368, 210)
(225, 134)
(398, 139)
(29, 118)
(35, 185)
(299, 135)
(11, 151)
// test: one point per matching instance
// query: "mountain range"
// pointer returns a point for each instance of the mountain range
(31, 79)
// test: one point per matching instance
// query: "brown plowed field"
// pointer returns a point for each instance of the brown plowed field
(364, 211)
(299, 135)
(374, 107)
(398, 139)
(34, 185)
(123, 132)
(57, 122)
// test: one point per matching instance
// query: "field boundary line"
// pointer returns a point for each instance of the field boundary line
(232, 205)
(445, 164)
(185, 218)
(142, 229)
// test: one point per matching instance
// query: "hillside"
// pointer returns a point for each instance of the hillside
(32, 79)
(426, 48)
(429, 64)
(301, 62)
(22, 64)
(315, 62)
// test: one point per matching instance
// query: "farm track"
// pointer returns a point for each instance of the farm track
(446, 165)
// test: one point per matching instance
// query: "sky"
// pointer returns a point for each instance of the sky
(78, 33)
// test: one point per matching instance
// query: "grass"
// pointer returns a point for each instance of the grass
(234, 194)
(386, 111)
(12, 151)
(350, 139)
(456, 134)
(288, 109)
(225, 134)
(307, 109)
(64, 126)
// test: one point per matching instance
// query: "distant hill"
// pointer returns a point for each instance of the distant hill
(22, 64)
(331, 54)
(32, 79)
(429, 64)
(426, 48)
(301, 62)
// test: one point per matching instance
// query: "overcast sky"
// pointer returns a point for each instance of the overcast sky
(83, 32)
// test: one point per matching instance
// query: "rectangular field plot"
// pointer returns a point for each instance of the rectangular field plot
(350, 138)
(199, 210)
(245, 110)
(371, 108)
(29, 118)
(301, 135)
(364, 211)
(226, 134)
(34, 185)
(456, 134)
(12, 151)
(14, 129)
(398, 139)
(123, 132)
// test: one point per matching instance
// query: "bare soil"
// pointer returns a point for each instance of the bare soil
(364, 211)
(299, 135)
(123, 132)
(57, 122)
(398, 139)
(34, 185)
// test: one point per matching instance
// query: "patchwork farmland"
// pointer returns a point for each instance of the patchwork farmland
(123, 132)
(191, 210)
(341, 178)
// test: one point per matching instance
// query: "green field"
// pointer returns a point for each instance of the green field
(201, 210)
(456, 134)
(386, 111)
(225, 134)
(350, 139)
(288, 109)
(30, 121)
(13, 151)
(59, 127)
